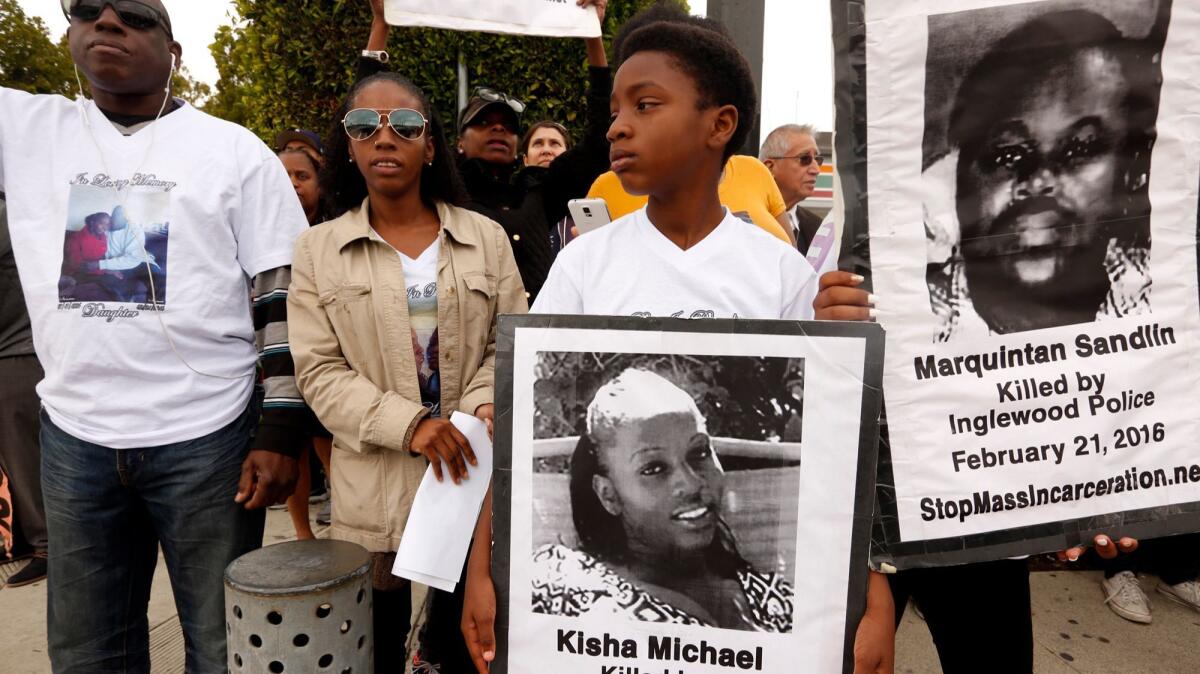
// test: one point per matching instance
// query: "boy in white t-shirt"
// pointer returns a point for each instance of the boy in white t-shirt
(682, 98)
(147, 337)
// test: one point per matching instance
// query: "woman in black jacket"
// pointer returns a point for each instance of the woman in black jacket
(528, 201)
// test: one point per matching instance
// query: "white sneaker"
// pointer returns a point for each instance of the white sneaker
(1123, 594)
(1186, 593)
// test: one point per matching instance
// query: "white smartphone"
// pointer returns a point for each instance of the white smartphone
(589, 214)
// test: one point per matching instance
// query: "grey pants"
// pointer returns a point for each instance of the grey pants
(20, 451)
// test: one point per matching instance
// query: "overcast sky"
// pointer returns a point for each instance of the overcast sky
(797, 77)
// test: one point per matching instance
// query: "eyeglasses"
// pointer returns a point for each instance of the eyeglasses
(362, 123)
(806, 159)
(136, 15)
(493, 96)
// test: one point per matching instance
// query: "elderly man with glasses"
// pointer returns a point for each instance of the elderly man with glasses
(791, 153)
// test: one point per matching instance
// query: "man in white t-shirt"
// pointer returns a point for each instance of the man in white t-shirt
(149, 412)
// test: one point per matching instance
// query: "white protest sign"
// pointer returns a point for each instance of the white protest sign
(1033, 172)
(551, 18)
(721, 576)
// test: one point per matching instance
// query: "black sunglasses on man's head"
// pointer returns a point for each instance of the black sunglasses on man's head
(132, 13)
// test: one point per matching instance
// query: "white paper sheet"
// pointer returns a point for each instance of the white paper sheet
(438, 533)
(519, 17)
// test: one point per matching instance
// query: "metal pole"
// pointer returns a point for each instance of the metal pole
(462, 82)
(745, 21)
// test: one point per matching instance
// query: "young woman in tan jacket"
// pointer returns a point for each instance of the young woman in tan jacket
(391, 319)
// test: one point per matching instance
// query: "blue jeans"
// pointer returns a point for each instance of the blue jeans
(107, 512)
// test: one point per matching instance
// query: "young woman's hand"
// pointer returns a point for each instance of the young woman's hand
(841, 299)
(487, 413)
(440, 442)
(479, 618)
(875, 639)
(1104, 547)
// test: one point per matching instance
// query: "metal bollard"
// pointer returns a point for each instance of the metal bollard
(301, 606)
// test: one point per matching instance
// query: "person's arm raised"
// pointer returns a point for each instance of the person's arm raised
(573, 172)
(376, 42)
(597, 58)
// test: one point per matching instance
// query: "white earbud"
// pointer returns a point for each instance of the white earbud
(167, 88)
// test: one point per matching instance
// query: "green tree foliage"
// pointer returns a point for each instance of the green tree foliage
(184, 86)
(29, 59)
(740, 397)
(286, 65)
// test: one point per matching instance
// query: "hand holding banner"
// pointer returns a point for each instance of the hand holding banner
(551, 18)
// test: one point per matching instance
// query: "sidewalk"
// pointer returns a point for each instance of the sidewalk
(1073, 631)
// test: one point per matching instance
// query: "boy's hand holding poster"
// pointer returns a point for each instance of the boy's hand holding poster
(551, 18)
(1031, 238)
(667, 498)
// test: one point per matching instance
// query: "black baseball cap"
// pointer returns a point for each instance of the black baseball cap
(309, 138)
(484, 99)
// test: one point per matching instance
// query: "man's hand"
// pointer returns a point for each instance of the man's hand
(479, 619)
(840, 298)
(875, 639)
(1104, 548)
(267, 478)
(487, 412)
(442, 444)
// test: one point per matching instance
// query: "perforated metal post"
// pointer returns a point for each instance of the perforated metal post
(301, 606)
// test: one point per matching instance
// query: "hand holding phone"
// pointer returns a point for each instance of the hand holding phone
(589, 214)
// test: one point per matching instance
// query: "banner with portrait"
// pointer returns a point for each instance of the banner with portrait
(1022, 195)
(550, 18)
(668, 498)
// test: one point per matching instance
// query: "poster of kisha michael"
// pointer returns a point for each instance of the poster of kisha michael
(669, 496)
(1026, 210)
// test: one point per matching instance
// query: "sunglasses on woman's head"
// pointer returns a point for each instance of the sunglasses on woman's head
(137, 15)
(362, 123)
(493, 96)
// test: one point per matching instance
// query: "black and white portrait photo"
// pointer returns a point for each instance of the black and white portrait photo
(664, 518)
(1022, 207)
(668, 497)
(1040, 121)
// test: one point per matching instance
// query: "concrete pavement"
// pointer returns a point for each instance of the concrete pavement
(1073, 631)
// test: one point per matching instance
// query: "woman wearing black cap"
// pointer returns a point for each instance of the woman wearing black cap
(526, 200)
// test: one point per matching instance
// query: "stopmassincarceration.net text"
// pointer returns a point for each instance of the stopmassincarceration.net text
(985, 502)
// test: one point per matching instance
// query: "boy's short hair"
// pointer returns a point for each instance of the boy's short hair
(705, 52)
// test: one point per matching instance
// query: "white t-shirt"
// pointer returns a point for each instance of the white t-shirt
(420, 281)
(201, 202)
(629, 268)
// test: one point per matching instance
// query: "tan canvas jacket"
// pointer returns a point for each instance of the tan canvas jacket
(349, 335)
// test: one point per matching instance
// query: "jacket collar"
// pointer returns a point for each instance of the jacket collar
(355, 224)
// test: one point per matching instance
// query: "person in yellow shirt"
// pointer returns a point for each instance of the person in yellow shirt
(747, 188)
